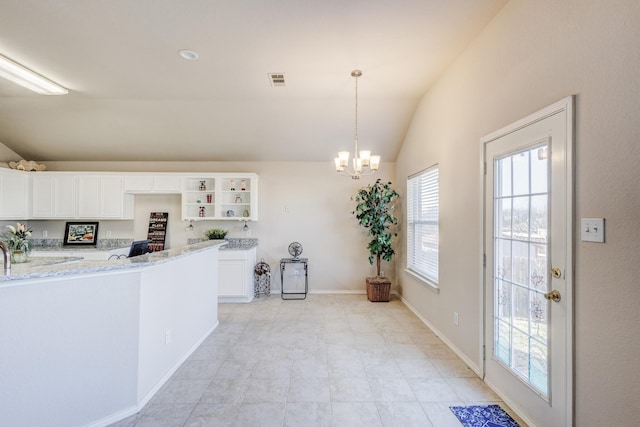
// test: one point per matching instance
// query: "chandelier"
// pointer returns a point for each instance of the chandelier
(363, 163)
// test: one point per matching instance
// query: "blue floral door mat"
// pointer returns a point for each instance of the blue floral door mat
(483, 416)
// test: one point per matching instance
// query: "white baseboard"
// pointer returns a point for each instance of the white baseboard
(132, 410)
(470, 363)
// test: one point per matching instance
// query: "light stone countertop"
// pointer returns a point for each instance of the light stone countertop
(37, 267)
(234, 243)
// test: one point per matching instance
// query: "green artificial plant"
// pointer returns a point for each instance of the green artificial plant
(374, 211)
(216, 234)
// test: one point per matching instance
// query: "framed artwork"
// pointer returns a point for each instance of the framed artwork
(81, 234)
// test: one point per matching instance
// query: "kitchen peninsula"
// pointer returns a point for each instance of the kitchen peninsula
(87, 343)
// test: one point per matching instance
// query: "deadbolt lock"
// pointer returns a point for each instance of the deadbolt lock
(556, 272)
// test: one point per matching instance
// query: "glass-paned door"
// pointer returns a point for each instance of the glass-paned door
(521, 263)
(527, 242)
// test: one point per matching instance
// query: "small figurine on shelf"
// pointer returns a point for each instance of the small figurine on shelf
(202, 213)
(243, 185)
(232, 185)
(209, 198)
(238, 199)
(203, 186)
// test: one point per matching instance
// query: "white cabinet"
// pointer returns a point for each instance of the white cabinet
(220, 196)
(77, 195)
(235, 275)
(102, 196)
(168, 183)
(54, 195)
(14, 191)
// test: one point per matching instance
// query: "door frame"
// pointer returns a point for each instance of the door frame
(566, 105)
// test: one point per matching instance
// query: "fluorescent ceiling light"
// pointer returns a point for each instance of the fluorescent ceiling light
(26, 78)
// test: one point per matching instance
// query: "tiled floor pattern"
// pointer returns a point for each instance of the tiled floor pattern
(329, 360)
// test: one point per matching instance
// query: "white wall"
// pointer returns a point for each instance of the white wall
(533, 54)
(305, 202)
(56, 370)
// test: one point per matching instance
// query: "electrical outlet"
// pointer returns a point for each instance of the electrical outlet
(456, 318)
(108, 234)
(167, 337)
(45, 233)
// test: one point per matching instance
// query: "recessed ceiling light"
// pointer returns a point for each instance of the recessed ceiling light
(188, 54)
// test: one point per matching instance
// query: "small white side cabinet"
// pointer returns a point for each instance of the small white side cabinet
(14, 194)
(235, 275)
(220, 196)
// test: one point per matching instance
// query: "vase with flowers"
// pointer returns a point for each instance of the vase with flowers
(17, 241)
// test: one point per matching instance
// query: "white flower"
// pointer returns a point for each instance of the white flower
(12, 228)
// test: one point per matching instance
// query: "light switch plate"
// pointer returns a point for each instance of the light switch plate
(592, 230)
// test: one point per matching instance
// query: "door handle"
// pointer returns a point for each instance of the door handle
(556, 272)
(554, 296)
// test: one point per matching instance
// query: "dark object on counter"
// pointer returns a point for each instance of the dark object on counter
(157, 230)
(81, 234)
(139, 247)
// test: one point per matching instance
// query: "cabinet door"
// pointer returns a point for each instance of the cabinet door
(111, 197)
(167, 183)
(14, 195)
(89, 197)
(138, 183)
(54, 196)
(42, 196)
(100, 197)
(66, 197)
(231, 278)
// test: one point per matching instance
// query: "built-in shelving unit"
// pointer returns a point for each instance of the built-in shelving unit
(220, 197)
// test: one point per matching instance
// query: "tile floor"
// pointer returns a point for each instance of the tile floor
(329, 360)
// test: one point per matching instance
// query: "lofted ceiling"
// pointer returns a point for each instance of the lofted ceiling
(131, 97)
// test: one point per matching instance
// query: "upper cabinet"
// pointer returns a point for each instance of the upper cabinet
(14, 194)
(102, 196)
(54, 195)
(62, 195)
(110, 195)
(160, 183)
(220, 196)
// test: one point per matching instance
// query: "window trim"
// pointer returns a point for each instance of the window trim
(428, 282)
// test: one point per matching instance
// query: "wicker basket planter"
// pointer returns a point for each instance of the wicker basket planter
(378, 289)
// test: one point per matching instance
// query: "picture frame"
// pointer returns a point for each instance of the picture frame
(81, 234)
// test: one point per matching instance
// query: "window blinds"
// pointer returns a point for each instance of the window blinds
(422, 223)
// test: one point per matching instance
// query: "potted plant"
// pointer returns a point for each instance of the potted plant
(216, 234)
(374, 211)
(16, 240)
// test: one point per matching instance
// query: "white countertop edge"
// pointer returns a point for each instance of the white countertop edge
(90, 267)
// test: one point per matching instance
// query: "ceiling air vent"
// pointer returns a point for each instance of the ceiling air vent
(276, 79)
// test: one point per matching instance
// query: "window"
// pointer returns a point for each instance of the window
(422, 224)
